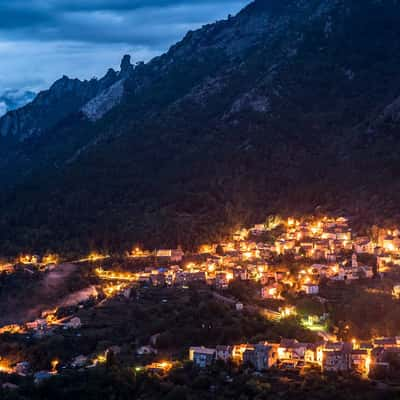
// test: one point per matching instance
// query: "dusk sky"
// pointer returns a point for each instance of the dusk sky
(40, 40)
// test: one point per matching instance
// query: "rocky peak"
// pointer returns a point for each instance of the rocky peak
(126, 66)
(65, 97)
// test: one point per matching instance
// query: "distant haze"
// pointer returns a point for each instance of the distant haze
(12, 99)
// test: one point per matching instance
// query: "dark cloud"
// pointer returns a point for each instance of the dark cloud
(42, 39)
(15, 16)
(108, 20)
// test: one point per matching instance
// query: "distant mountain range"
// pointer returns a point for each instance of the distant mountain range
(13, 99)
(288, 106)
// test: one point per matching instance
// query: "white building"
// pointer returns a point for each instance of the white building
(310, 288)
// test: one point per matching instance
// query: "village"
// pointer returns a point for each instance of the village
(283, 260)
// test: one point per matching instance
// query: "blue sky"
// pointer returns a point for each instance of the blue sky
(40, 40)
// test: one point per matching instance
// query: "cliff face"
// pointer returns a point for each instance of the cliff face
(290, 105)
(65, 97)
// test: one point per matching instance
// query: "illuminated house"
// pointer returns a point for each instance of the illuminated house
(157, 279)
(307, 249)
(364, 245)
(258, 229)
(310, 288)
(280, 275)
(224, 353)
(389, 243)
(367, 271)
(336, 361)
(331, 257)
(348, 273)
(319, 254)
(196, 276)
(270, 292)
(290, 350)
(37, 324)
(314, 353)
(221, 280)
(261, 356)
(202, 356)
(174, 255)
(344, 235)
(396, 291)
(386, 343)
(360, 361)
(182, 277)
(74, 323)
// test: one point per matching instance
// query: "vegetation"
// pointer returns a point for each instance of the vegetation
(184, 382)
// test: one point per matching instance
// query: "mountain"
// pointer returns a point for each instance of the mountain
(13, 99)
(289, 106)
(65, 97)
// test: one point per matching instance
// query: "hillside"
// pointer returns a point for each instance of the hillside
(289, 105)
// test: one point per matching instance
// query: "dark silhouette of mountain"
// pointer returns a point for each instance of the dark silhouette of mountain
(288, 106)
(65, 97)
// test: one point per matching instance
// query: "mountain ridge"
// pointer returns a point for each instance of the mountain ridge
(64, 97)
(287, 106)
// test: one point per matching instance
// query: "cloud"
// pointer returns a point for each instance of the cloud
(3, 108)
(41, 40)
(112, 21)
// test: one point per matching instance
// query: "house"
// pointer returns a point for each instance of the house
(396, 291)
(366, 346)
(389, 243)
(291, 350)
(319, 254)
(386, 343)
(22, 368)
(344, 236)
(174, 255)
(224, 353)
(239, 306)
(202, 356)
(336, 361)
(367, 271)
(258, 229)
(157, 279)
(221, 280)
(390, 354)
(364, 245)
(264, 278)
(310, 288)
(348, 273)
(318, 269)
(314, 353)
(280, 275)
(74, 323)
(180, 278)
(360, 361)
(79, 361)
(331, 257)
(177, 255)
(37, 324)
(196, 276)
(354, 262)
(270, 292)
(261, 356)
(159, 368)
